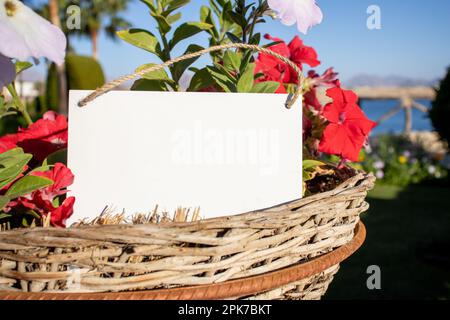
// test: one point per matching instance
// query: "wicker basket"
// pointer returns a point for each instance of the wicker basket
(289, 251)
(224, 258)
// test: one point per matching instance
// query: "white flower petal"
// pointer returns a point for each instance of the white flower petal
(7, 71)
(26, 34)
(303, 12)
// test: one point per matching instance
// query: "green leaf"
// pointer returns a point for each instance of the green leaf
(225, 19)
(256, 39)
(174, 18)
(207, 17)
(233, 38)
(27, 185)
(238, 19)
(222, 80)
(11, 153)
(160, 75)
(163, 24)
(245, 83)
(265, 87)
(42, 168)
(12, 164)
(309, 164)
(142, 39)
(22, 66)
(4, 200)
(4, 215)
(148, 85)
(33, 214)
(232, 60)
(175, 5)
(179, 68)
(150, 4)
(201, 80)
(187, 30)
(59, 156)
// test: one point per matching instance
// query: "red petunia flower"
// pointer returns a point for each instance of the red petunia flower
(60, 215)
(327, 79)
(62, 177)
(301, 54)
(348, 127)
(42, 138)
(6, 146)
(273, 69)
(42, 201)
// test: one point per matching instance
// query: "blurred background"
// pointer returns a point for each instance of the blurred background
(394, 54)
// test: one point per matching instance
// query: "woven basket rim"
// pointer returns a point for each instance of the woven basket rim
(366, 178)
(217, 291)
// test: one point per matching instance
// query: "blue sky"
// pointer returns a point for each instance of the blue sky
(413, 41)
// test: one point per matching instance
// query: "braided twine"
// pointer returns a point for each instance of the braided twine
(115, 83)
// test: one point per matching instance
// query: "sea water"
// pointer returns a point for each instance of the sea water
(375, 109)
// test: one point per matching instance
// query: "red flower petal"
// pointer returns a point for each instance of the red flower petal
(42, 138)
(349, 127)
(61, 176)
(60, 215)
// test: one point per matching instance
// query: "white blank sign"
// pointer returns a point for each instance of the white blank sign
(225, 153)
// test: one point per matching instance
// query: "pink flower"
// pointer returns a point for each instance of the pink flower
(303, 12)
(24, 34)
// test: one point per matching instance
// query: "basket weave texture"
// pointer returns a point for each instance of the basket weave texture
(119, 258)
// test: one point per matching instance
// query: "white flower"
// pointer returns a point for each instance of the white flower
(25, 34)
(305, 13)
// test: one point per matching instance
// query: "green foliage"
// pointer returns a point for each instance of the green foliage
(310, 170)
(12, 165)
(51, 89)
(233, 71)
(82, 73)
(165, 15)
(397, 161)
(224, 21)
(440, 112)
(27, 185)
(59, 156)
(142, 39)
(235, 74)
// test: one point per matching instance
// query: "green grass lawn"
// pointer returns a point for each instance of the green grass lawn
(408, 237)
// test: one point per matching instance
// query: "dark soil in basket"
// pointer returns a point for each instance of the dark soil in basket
(328, 182)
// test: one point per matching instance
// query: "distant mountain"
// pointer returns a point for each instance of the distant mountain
(367, 80)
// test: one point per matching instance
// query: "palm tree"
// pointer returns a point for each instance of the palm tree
(101, 14)
(96, 16)
(53, 7)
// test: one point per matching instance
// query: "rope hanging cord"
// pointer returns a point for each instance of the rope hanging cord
(292, 98)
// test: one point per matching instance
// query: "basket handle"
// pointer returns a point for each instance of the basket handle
(292, 98)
